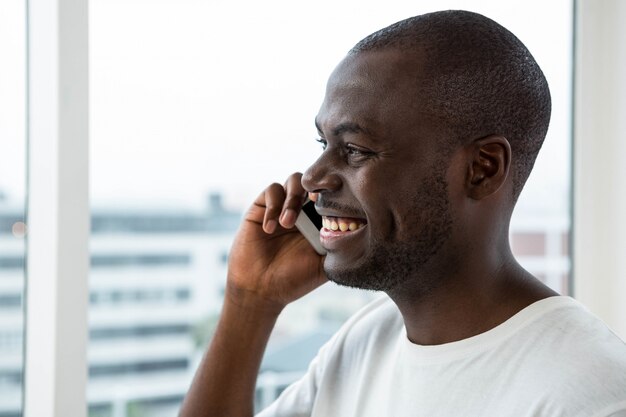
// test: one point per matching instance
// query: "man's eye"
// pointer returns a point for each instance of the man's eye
(351, 150)
(322, 142)
(354, 151)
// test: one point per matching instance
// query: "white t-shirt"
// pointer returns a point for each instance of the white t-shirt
(552, 359)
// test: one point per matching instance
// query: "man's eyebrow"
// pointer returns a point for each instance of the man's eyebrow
(341, 128)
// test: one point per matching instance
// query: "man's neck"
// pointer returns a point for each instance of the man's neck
(468, 303)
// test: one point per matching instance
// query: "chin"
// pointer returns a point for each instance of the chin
(387, 267)
(365, 276)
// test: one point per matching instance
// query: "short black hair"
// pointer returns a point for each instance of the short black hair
(477, 77)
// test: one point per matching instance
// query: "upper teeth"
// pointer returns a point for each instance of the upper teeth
(335, 224)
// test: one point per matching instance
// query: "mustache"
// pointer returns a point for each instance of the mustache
(349, 211)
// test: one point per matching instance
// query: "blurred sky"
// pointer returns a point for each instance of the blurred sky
(193, 96)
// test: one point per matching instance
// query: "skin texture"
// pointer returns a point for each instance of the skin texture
(436, 238)
(383, 171)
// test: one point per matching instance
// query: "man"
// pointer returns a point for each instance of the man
(430, 128)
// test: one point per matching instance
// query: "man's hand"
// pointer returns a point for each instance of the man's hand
(270, 261)
(270, 265)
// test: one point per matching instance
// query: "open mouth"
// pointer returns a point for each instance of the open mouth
(342, 224)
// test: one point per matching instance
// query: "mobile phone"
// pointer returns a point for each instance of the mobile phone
(309, 224)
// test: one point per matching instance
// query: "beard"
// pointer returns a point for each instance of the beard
(392, 263)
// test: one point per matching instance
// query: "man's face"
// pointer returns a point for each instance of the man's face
(382, 176)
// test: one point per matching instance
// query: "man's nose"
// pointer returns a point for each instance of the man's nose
(321, 177)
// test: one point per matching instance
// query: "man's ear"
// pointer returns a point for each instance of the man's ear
(489, 166)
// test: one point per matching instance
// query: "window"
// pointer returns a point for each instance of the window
(181, 57)
(188, 124)
(12, 207)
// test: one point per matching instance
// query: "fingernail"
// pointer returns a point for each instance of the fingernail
(313, 196)
(288, 218)
(270, 226)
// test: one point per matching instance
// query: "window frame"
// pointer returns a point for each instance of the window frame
(57, 264)
(598, 172)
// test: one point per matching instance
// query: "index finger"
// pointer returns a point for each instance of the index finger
(295, 195)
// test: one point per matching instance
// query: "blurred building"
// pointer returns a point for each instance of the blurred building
(11, 299)
(156, 275)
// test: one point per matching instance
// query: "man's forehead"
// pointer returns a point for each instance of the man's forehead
(374, 67)
(369, 87)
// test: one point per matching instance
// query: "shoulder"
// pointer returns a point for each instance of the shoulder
(576, 357)
(580, 336)
(592, 347)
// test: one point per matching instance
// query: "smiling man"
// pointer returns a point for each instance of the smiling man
(430, 128)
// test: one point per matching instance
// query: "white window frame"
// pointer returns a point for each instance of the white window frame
(599, 172)
(59, 215)
(58, 209)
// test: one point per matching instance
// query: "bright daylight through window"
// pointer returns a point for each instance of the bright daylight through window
(196, 106)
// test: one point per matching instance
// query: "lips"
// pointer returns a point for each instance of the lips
(340, 233)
